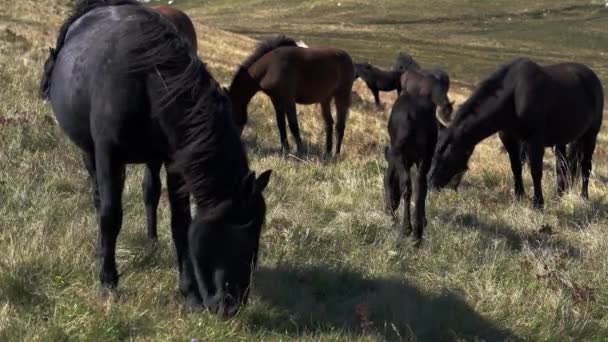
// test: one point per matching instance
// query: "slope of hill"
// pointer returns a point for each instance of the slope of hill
(491, 268)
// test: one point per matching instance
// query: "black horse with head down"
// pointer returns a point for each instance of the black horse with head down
(541, 106)
(126, 88)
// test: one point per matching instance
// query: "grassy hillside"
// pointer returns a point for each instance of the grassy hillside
(469, 38)
(491, 268)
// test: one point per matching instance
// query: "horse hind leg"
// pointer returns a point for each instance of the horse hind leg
(89, 163)
(588, 148)
(110, 177)
(342, 100)
(329, 125)
(151, 188)
(561, 169)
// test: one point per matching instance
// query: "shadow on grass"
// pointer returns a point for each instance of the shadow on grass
(313, 152)
(317, 300)
(497, 230)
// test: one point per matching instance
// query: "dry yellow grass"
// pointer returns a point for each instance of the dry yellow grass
(491, 268)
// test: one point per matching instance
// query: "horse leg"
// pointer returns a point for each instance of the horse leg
(181, 218)
(151, 188)
(342, 101)
(421, 192)
(512, 145)
(561, 169)
(406, 187)
(329, 125)
(376, 94)
(588, 147)
(89, 164)
(292, 119)
(279, 110)
(110, 179)
(574, 159)
(536, 152)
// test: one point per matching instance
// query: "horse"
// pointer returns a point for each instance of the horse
(378, 79)
(289, 74)
(182, 23)
(151, 184)
(126, 88)
(541, 106)
(405, 62)
(412, 129)
(433, 84)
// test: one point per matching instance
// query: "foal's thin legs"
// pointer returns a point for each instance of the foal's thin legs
(376, 94)
(292, 119)
(329, 124)
(586, 162)
(151, 188)
(421, 191)
(110, 178)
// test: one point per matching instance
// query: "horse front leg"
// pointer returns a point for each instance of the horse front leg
(151, 186)
(181, 218)
(376, 94)
(342, 102)
(292, 120)
(421, 192)
(536, 152)
(279, 109)
(110, 178)
(513, 147)
(329, 125)
(89, 163)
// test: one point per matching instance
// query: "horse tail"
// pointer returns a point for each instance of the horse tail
(267, 45)
(81, 7)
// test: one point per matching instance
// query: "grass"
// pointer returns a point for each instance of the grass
(491, 268)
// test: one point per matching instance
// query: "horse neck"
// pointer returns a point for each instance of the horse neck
(244, 87)
(488, 118)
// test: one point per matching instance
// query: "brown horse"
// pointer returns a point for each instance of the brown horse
(181, 21)
(289, 74)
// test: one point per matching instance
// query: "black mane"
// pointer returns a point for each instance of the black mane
(267, 45)
(209, 152)
(81, 7)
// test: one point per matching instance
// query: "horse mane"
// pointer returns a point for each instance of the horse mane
(208, 151)
(488, 87)
(265, 46)
(81, 7)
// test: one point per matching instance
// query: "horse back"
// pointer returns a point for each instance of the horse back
(412, 127)
(181, 21)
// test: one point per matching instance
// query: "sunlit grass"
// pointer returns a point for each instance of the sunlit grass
(491, 268)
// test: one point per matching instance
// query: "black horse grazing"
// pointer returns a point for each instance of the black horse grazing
(405, 62)
(412, 128)
(378, 79)
(541, 106)
(126, 88)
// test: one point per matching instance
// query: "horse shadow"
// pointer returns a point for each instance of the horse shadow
(313, 152)
(500, 231)
(315, 300)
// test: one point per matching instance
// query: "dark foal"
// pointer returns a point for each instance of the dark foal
(541, 106)
(378, 79)
(151, 184)
(412, 128)
(405, 62)
(289, 74)
(126, 88)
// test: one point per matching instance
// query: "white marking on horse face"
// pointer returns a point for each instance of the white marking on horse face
(302, 44)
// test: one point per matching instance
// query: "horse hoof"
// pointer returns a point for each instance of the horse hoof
(108, 293)
(416, 242)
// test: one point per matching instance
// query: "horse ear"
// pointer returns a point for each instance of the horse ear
(262, 181)
(440, 117)
(248, 185)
